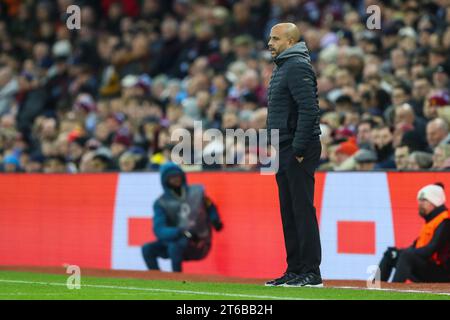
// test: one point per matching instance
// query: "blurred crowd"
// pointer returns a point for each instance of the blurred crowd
(108, 97)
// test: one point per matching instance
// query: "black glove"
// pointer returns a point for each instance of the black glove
(191, 235)
(392, 253)
(218, 225)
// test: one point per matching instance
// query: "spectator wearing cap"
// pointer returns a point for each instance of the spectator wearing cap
(365, 160)
(140, 157)
(436, 101)
(343, 133)
(85, 107)
(134, 86)
(11, 164)
(408, 40)
(441, 77)
(149, 130)
(55, 164)
(390, 36)
(345, 38)
(127, 162)
(344, 103)
(115, 121)
(428, 258)
(130, 87)
(343, 154)
(75, 151)
(437, 133)
(121, 142)
(101, 162)
(59, 78)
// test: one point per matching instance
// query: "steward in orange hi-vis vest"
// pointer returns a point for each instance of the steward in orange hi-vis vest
(428, 259)
(427, 233)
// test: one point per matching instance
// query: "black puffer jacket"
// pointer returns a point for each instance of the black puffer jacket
(293, 105)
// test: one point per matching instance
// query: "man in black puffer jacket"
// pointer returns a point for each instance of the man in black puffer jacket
(294, 111)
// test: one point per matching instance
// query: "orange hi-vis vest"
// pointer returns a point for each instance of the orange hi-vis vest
(427, 232)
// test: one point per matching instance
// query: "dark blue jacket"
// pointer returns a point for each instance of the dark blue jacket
(163, 228)
(293, 106)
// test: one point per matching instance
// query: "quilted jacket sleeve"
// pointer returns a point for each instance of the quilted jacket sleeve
(303, 88)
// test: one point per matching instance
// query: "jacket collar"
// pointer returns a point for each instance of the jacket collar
(297, 50)
(433, 214)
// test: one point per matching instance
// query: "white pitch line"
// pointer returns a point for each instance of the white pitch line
(393, 290)
(235, 295)
(32, 294)
(231, 295)
(70, 293)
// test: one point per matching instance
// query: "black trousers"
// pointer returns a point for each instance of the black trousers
(174, 250)
(296, 194)
(177, 251)
(410, 266)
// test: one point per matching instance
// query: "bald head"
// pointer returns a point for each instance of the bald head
(405, 114)
(290, 30)
(282, 37)
(437, 131)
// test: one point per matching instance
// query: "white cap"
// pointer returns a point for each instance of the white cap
(408, 32)
(62, 48)
(433, 193)
(130, 81)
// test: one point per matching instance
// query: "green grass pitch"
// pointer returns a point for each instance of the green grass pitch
(29, 286)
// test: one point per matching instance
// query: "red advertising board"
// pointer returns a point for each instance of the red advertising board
(100, 221)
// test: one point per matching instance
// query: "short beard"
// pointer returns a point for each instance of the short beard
(422, 213)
